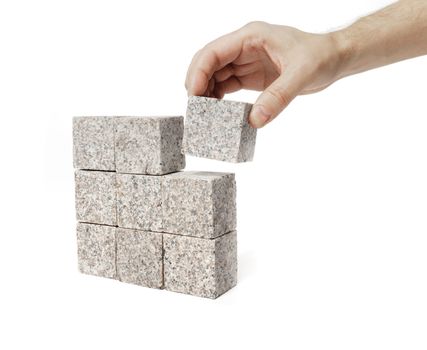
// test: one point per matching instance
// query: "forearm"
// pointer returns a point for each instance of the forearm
(392, 34)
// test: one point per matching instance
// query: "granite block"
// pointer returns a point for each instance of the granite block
(218, 129)
(198, 266)
(96, 197)
(96, 250)
(140, 257)
(199, 204)
(93, 143)
(139, 202)
(149, 145)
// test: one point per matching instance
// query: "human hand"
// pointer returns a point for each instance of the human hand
(281, 61)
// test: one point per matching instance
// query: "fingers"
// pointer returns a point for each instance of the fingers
(239, 70)
(231, 78)
(273, 100)
(210, 89)
(210, 59)
(228, 86)
(224, 73)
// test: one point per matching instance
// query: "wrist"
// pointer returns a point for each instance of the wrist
(345, 51)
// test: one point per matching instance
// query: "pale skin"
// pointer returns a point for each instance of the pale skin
(283, 62)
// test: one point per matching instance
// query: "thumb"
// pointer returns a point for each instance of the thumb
(272, 101)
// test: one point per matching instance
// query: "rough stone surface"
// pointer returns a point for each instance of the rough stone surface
(140, 257)
(149, 145)
(139, 202)
(93, 143)
(201, 267)
(199, 204)
(96, 250)
(218, 129)
(96, 197)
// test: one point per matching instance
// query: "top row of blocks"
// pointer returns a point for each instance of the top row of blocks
(215, 129)
(149, 145)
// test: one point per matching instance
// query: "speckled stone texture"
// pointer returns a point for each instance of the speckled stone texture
(201, 267)
(149, 145)
(218, 129)
(93, 143)
(199, 204)
(96, 197)
(140, 257)
(139, 201)
(96, 250)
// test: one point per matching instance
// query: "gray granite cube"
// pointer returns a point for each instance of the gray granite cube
(200, 204)
(96, 250)
(96, 197)
(139, 201)
(218, 129)
(93, 143)
(198, 266)
(149, 145)
(140, 257)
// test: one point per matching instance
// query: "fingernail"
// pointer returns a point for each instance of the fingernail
(259, 116)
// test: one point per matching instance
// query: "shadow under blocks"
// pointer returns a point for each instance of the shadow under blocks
(140, 218)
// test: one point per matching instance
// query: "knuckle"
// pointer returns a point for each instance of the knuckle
(281, 96)
(210, 46)
(197, 54)
(256, 32)
(255, 25)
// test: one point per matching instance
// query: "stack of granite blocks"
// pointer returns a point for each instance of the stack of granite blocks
(143, 221)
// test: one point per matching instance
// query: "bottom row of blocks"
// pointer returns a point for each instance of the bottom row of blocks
(196, 266)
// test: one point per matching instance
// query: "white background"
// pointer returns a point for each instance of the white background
(331, 214)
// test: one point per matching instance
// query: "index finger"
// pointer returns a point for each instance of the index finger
(214, 56)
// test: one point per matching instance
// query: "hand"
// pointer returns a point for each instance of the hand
(281, 61)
